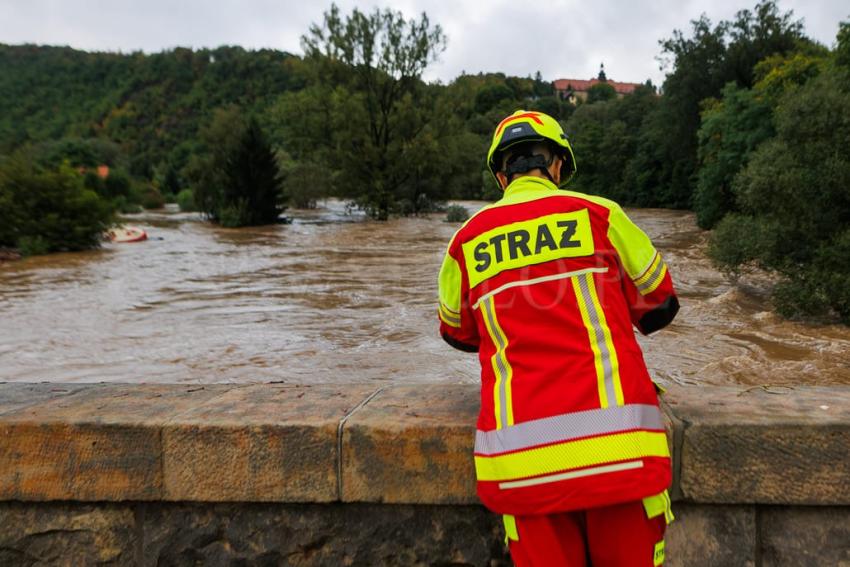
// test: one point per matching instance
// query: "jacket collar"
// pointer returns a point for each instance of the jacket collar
(524, 187)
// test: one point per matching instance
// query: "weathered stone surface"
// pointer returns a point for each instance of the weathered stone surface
(412, 444)
(15, 396)
(675, 430)
(791, 447)
(356, 535)
(66, 535)
(67, 462)
(709, 536)
(101, 443)
(805, 536)
(263, 443)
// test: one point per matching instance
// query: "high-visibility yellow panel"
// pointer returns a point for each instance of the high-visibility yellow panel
(572, 455)
(511, 532)
(519, 244)
(658, 557)
(449, 284)
(657, 505)
(633, 245)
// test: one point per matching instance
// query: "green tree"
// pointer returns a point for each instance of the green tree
(236, 180)
(48, 210)
(795, 203)
(777, 74)
(735, 125)
(304, 124)
(549, 105)
(170, 181)
(605, 137)
(600, 92)
(542, 88)
(490, 96)
(731, 130)
(304, 183)
(702, 64)
(381, 57)
(842, 49)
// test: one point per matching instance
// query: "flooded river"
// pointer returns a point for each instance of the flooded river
(332, 297)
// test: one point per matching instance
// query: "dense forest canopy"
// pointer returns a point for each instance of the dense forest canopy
(152, 106)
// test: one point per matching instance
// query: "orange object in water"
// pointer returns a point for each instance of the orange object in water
(127, 234)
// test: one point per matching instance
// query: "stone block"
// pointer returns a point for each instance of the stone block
(708, 536)
(66, 534)
(805, 536)
(102, 443)
(675, 431)
(412, 444)
(783, 446)
(357, 535)
(15, 396)
(261, 443)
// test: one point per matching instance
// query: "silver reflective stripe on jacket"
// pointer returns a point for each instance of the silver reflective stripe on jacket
(567, 427)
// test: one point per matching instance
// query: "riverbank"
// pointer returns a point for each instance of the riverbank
(362, 475)
(9, 255)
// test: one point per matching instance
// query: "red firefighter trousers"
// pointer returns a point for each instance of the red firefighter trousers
(611, 536)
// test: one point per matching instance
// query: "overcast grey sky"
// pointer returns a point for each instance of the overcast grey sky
(560, 38)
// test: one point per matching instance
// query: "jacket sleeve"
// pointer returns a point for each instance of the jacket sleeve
(457, 322)
(648, 286)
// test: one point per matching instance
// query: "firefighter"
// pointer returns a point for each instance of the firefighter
(546, 285)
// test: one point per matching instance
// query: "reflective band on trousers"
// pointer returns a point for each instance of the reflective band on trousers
(567, 427)
(568, 455)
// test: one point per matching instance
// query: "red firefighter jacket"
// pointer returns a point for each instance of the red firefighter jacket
(546, 285)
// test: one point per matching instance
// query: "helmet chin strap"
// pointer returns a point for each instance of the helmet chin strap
(526, 163)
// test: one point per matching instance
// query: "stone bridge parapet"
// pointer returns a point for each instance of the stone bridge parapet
(363, 474)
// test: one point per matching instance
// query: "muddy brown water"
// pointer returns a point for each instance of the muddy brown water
(332, 297)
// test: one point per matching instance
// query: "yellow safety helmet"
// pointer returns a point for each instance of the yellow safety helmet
(531, 126)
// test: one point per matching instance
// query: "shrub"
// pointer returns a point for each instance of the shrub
(235, 215)
(33, 245)
(186, 201)
(456, 213)
(152, 199)
(305, 184)
(123, 205)
(739, 239)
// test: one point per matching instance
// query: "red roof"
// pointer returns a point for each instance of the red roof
(582, 85)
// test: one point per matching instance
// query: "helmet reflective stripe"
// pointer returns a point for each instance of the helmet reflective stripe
(524, 126)
(517, 116)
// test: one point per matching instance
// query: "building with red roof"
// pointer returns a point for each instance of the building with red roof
(573, 90)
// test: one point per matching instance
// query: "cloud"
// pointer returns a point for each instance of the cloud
(560, 38)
